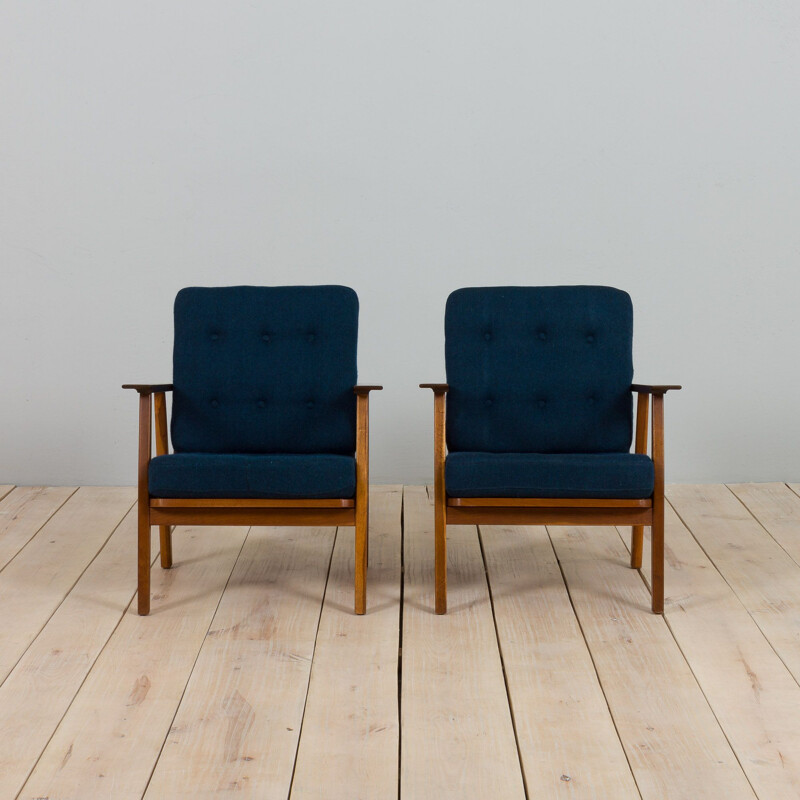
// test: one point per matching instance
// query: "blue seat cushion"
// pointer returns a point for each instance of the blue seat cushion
(199, 475)
(539, 369)
(261, 369)
(612, 475)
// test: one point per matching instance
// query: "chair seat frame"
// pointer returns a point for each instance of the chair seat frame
(168, 512)
(638, 513)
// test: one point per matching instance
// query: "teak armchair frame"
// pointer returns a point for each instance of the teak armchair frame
(166, 512)
(558, 511)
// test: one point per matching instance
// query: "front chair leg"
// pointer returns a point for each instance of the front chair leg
(165, 532)
(657, 561)
(637, 545)
(440, 546)
(362, 544)
(144, 564)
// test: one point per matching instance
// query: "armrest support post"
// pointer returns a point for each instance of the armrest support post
(642, 413)
(657, 539)
(362, 495)
(143, 510)
(439, 493)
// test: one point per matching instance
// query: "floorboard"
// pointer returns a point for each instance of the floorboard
(548, 677)
(239, 721)
(673, 742)
(763, 575)
(567, 739)
(110, 738)
(753, 696)
(41, 687)
(457, 734)
(349, 747)
(777, 508)
(23, 512)
(35, 583)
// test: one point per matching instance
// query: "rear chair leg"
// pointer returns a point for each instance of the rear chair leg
(165, 532)
(637, 542)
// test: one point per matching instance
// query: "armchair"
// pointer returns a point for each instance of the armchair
(268, 425)
(534, 425)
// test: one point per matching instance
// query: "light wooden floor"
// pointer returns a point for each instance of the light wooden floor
(548, 678)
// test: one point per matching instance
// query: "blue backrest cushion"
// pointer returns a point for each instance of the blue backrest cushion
(539, 369)
(265, 369)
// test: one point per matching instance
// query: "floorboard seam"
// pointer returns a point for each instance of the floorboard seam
(50, 516)
(502, 663)
(311, 666)
(194, 663)
(708, 703)
(733, 589)
(68, 592)
(761, 524)
(85, 677)
(400, 642)
(594, 664)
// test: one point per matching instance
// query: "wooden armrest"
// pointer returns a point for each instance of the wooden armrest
(646, 388)
(363, 391)
(148, 388)
(438, 388)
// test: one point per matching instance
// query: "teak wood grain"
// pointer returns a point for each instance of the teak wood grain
(168, 512)
(640, 442)
(511, 511)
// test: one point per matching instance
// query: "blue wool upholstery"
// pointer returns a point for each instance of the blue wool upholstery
(265, 370)
(539, 370)
(201, 475)
(594, 475)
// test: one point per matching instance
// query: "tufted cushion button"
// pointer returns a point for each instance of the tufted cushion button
(541, 403)
(542, 335)
(214, 337)
(265, 337)
(487, 402)
(487, 336)
(215, 404)
(310, 404)
(590, 338)
(262, 403)
(590, 399)
(311, 337)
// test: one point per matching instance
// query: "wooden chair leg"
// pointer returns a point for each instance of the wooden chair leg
(165, 532)
(362, 539)
(637, 544)
(657, 562)
(144, 563)
(440, 545)
(657, 543)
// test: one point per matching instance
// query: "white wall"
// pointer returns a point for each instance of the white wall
(404, 149)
